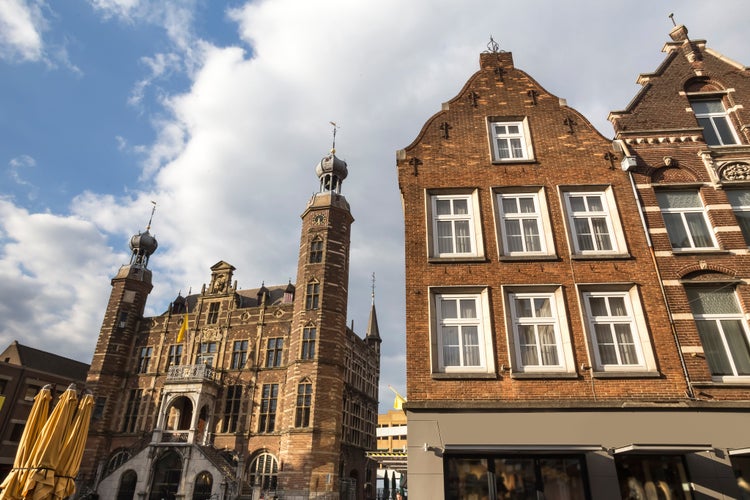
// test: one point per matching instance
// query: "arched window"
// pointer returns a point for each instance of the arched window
(167, 474)
(118, 458)
(128, 480)
(304, 403)
(203, 484)
(263, 472)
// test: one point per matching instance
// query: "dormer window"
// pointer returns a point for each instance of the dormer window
(712, 116)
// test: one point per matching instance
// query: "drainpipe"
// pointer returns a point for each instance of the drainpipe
(628, 166)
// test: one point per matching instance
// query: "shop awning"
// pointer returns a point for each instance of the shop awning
(522, 448)
(661, 448)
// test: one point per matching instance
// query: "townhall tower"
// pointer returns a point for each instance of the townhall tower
(238, 393)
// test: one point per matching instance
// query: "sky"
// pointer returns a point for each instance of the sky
(219, 112)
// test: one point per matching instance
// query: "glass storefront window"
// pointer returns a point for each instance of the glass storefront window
(515, 477)
(652, 476)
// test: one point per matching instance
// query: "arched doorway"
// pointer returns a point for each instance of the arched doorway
(128, 480)
(167, 474)
(203, 485)
(179, 414)
(263, 472)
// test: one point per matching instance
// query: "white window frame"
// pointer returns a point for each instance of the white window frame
(481, 322)
(472, 217)
(540, 216)
(740, 201)
(717, 319)
(553, 293)
(683, 212)
(710, 119)
(514, 132)
(634, 317)
(608, 212)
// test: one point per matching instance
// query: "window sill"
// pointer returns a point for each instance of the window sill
(464, 375)
(514, 161)
(448, 260)
(624, 374)
(529, 257)
(551, 374)
(699, 251)
(601, 256)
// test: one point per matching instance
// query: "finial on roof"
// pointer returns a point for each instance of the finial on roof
(492, 47)
(153, 209)
(373, 287)
(671, 16)
(333, 147)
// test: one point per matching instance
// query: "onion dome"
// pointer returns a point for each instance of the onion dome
(331, 171)
(142, 245)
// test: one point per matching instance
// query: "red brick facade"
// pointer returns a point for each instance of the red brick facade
(547, 317)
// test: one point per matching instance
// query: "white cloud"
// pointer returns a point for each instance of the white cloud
(21, 27)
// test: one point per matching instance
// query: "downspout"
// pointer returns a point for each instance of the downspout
(619, 144)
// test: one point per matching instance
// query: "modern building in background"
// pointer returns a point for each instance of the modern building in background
(391, 453)
(577, 308)
(23, 371)
(239, 393)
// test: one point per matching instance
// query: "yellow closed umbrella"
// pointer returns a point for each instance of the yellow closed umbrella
(13, 484)
(72, 452)
(39, 480)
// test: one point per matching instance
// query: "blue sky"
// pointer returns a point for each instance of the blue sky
(219, 111)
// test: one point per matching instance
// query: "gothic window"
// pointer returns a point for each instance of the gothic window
(128, 480)
(131, 410)
(308, 343)
(269, 399)
(239, 354)
(213, 313)
(232, 408)
(312, 295)
(274, 350)
(304, 402)
(144, 357)
(203, 484)
(316, 250)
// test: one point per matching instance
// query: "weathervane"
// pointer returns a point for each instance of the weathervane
(373, 286)
(492, 47)
(333, 147)
(153, 209)
(671, 16)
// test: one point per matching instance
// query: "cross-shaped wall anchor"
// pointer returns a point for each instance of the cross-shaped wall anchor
(415, 162)
(610, 157)
(499, 72)
(473, 96)
(445, 127)
(532, 93)
(570, 123)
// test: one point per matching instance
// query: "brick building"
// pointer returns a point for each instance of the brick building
(267, 393)
(551, 344)
(23, 371)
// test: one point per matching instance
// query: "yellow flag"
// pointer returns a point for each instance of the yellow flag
(183, 329)
(398, 403)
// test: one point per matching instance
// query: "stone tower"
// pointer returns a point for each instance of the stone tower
(110, 365)
(315, 384)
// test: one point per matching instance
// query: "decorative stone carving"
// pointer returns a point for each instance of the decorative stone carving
(210, 333)
(735, 171)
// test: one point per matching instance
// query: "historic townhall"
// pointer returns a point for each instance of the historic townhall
(238, 393)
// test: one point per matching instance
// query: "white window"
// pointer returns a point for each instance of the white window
(617, 331)
(685, 218)
(740, 200)
(510, 140)
(461, 327)
(454, 225)
(592, 222)
(524, 226)
(712, 116)
(722, 329)
(539, 340)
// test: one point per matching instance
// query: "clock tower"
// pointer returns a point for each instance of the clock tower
(316, 374)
